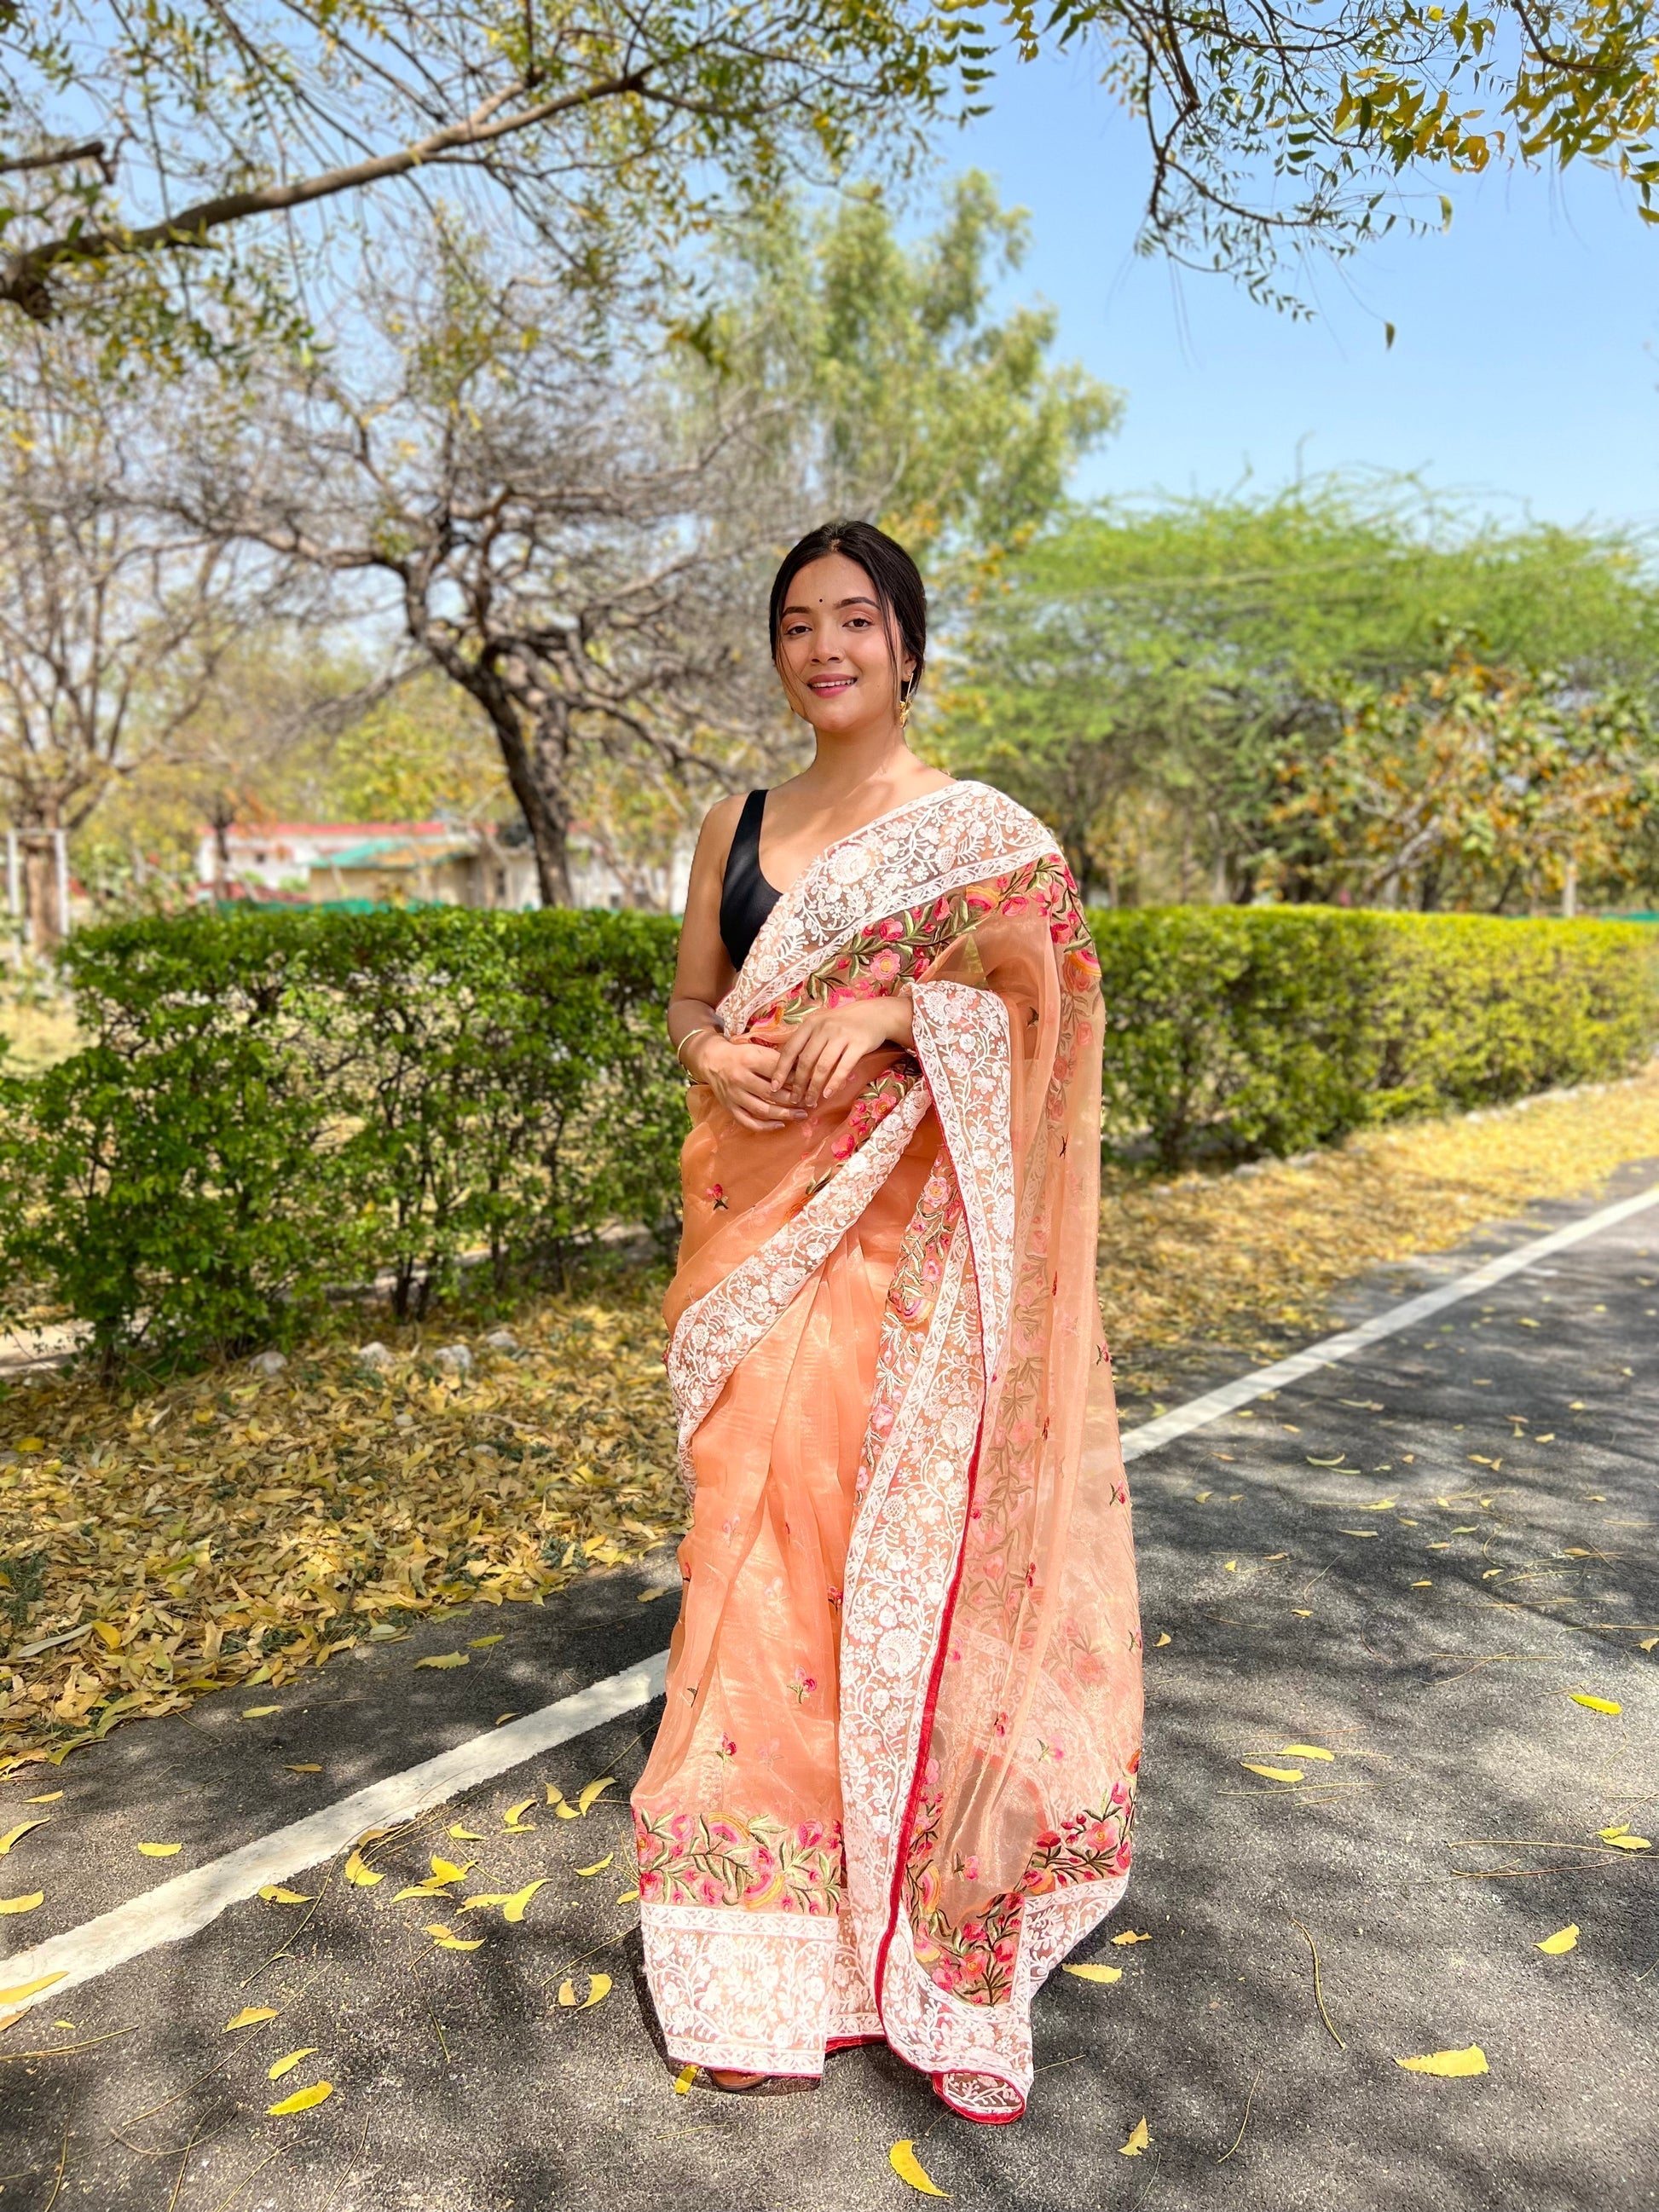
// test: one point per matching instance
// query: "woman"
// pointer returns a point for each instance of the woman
(894, 1781)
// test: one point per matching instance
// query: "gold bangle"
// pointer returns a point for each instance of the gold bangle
(680, 1048)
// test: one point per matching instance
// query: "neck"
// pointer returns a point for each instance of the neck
(842, 765)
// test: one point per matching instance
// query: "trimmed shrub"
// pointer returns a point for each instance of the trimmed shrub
(1233, 1031)
(273, 1105)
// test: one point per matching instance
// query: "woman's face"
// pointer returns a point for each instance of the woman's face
(833, 647)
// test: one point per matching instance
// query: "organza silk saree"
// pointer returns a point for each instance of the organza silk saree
(895, 1781)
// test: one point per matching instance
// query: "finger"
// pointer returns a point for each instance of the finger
(786, 1059)
(761, 1101)
(812, 1050)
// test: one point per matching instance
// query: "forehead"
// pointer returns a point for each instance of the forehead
(833, 578)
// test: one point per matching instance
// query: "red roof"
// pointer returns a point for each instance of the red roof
(267, 831)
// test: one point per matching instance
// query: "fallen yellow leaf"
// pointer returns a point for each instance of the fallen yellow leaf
(1628, 1843)
(1565, 1939)
(908, 2168)
(304, 1766)
(465, 1835)
(160, 1851)
(628, 1897)
(648, 1597)
(1130, 1937)
(275, 2073)
(1138, 2140)
(1448, 2062)
(514, 1905)
(1271, 1773)
(46, 1798)
(1647, 1644)
(250, 2016)
(445, 1659)
(17, 1834)
(482, 1642)
(1230, 1567)
(22, 1903)
(1356, 1532)
(1097, 1973)
(107, 1634)
(515, 1820)
(1163, 1638)
(302, 2100)
(598, 1989)
(1596, 1705)
(360, 1873)
(447, 1940)
(274, 1893)
(259, 1713)
(598, 1867)
(1303, 1751)
(683, 2079)
(31, 1988)
(592, 1791)
(1422, 1585)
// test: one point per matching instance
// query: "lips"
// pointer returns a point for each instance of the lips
(830, 687)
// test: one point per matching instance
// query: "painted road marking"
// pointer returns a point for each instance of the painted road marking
(1198, 1411)
(180, 1908)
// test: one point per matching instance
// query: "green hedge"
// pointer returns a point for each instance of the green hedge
(1233, 1031)
(272, 1105)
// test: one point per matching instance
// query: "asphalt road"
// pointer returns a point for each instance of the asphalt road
(1412, 1560)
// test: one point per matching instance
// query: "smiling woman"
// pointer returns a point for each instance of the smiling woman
(894, 1783)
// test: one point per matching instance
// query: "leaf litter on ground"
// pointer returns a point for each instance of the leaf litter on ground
(224, 1530)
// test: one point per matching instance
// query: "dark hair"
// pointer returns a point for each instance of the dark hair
(899, 592)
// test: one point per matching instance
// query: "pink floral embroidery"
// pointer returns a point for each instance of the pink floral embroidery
(974, 1958)
(801, 1684)
(727, 1859)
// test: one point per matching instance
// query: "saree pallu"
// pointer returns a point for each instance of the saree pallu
(894, 1783)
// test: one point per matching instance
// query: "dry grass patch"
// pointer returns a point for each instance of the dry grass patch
(1242, 1262)
(228, 1529)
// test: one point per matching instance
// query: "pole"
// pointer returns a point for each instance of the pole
(60, 852)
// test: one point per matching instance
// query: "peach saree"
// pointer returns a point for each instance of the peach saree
(894, 1783)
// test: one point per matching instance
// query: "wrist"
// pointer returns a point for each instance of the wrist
(693, 1049)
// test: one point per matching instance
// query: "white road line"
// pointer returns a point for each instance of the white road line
(177, 1908)
(180, 1908)
(1181, 1420)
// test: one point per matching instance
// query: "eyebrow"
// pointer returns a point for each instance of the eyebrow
(858, 600)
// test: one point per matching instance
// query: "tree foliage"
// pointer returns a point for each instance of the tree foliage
(580, 543)
(599, 132)
(1146, 678)
(167, 164)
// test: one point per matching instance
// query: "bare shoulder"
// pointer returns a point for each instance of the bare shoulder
(719, 826)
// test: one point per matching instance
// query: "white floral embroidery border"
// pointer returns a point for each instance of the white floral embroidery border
(725, 1324)
(963, 1044)
(918, 853)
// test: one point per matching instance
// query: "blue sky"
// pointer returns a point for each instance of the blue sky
(1524, 373)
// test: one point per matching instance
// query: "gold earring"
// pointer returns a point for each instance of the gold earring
(904, 706)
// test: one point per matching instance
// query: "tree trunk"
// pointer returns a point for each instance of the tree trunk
(536, 778)
(40, 895)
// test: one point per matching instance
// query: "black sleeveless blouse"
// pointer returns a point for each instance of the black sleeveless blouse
(746, 897)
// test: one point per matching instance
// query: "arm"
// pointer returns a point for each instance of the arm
(736, 1069)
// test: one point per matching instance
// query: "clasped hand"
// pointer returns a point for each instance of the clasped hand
(763, 1085)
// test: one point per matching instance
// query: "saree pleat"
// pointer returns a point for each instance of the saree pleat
(894, 1783)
